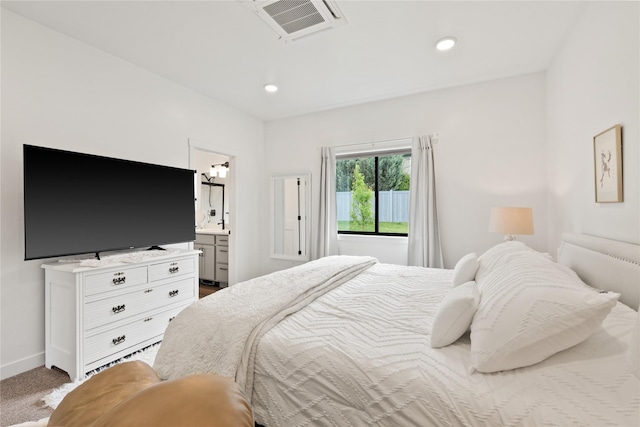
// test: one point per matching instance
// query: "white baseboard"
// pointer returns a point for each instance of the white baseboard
(22, 365)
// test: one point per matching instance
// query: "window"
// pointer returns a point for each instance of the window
(372, 193)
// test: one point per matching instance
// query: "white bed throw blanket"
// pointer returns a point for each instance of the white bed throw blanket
(219, 334)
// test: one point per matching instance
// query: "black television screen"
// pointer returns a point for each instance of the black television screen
(78, 203)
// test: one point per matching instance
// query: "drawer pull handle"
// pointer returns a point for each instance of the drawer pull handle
(224, 250)
(174, 293)
(118, 309)
(174, 270)
(147, 291)
(172, 318)
(148, 319)
(119, 280)
(223, 269)
(118, 340)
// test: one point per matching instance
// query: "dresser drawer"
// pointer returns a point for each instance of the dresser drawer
(121, 338)
(122, 306)
(206, 239)
(222, 254)
(222, 273)
(171, 268)
(222, 240)
(114, 280)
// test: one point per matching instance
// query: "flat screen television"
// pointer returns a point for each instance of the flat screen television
(78, 203)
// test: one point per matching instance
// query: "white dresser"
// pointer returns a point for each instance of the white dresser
(96, 315)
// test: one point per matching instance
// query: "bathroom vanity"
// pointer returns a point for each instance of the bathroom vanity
(214, 256)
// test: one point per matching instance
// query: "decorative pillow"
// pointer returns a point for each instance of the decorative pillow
(465, 269)
(498, 255)
(454, 314)
(530, 309)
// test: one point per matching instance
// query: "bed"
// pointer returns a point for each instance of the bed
(348, 341)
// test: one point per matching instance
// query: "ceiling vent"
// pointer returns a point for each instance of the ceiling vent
(293, 19)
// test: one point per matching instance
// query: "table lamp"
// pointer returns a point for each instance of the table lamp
(510, 221)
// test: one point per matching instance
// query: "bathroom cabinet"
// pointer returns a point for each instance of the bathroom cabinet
(214, 257)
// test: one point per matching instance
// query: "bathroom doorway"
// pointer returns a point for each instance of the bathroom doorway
(214, 188)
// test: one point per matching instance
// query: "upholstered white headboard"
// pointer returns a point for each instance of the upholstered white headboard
(605, 264)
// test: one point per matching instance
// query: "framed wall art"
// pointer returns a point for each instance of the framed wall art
(607, 156)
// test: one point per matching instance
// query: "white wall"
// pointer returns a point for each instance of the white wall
(491, 152)
(593, 84)
(57, 92)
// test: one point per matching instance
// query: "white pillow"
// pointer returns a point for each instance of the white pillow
(498, 255)
(454, 314)
(529, 310)
(465, 269)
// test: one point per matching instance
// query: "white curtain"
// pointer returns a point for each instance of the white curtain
(327, 238)
(424, 234)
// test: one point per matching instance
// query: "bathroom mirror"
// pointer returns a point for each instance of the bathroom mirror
(290, 208)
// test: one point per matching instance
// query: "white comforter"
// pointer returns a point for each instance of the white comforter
(360, 356)
(220, 335)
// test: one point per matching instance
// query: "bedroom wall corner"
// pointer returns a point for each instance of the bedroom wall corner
(593, 84)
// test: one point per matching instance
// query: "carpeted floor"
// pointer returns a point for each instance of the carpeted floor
(20, 395)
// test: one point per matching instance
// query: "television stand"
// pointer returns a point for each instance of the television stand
(97, 315)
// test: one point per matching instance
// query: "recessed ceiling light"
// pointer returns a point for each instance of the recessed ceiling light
(445, 43)
(269, 87)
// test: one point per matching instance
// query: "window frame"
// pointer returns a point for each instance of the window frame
(376, 155)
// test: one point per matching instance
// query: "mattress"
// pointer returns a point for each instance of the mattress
(360, 356)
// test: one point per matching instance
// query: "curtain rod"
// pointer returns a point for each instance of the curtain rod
(359, 144)
(434, 139)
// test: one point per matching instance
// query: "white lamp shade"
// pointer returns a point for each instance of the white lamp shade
(509, 221)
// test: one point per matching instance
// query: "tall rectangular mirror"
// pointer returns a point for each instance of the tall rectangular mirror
(290, 225)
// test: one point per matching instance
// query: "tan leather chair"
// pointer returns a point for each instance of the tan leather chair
(132, 394)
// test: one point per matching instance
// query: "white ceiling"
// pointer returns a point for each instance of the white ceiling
(223, 50)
